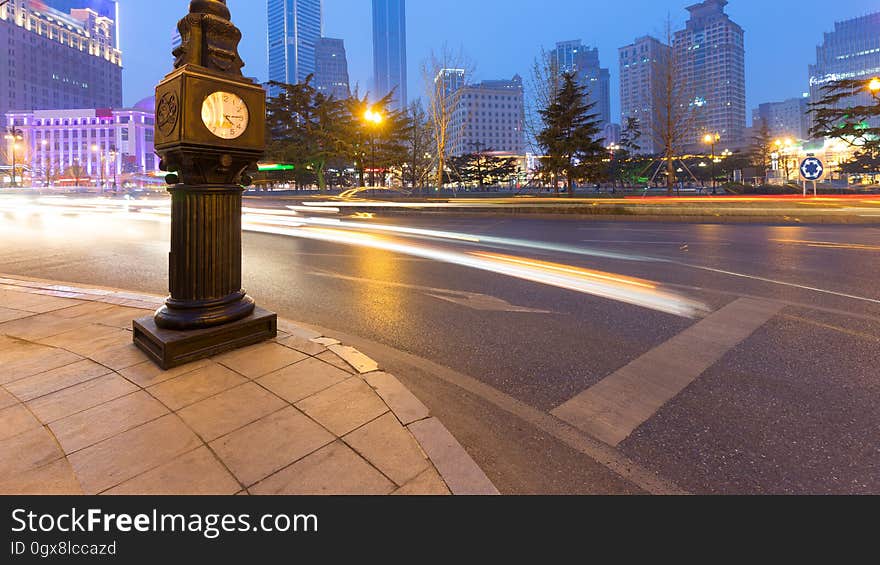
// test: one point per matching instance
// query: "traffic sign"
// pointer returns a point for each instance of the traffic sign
(812, 169)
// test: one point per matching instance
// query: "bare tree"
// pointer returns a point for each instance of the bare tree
(544, 83)
(444, 73)
(419, 141)
(674, 105)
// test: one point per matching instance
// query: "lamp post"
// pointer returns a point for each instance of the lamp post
(101, 163)
(113, 155)
(14, 136)
(783, 148)
(374, 119)
(712, 139)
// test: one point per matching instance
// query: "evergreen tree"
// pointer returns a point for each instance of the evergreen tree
(572, 149)
(847, 112)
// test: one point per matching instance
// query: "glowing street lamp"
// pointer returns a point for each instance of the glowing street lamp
(373, 118)
(14, 136)
(874, 87)
(712, 139)
(783, 148)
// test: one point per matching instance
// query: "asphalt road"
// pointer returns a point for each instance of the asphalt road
(475, 327)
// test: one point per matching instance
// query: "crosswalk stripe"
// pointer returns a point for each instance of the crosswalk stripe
(612, 409)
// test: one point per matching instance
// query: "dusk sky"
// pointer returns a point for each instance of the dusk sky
(503, 37)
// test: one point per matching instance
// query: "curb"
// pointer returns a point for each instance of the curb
(456, 468)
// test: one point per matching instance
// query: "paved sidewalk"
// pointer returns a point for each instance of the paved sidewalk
(82, 411)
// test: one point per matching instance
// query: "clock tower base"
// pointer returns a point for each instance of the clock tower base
(170, 348)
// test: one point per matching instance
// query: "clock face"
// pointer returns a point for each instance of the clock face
(225, 115)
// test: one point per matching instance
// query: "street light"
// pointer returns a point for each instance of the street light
(374, 119)
(783, 147)
(97, 151)
(13, 136)
(712, 139)
(113, 155)
(874, 87)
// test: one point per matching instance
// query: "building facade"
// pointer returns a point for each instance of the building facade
(489, 117)
(575, 57)
(331, 68)
(643, 70)
(787, 119)
(295, 26)
(851, 51)
(389, 51)
(53, 59)
(711, 55)
(61, 144)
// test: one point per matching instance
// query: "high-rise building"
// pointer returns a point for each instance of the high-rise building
(453, 79)
(389, 50)
(58, 60)
(643, 70)
(331, 68)
(786, 119)
(711, 54)
(851, 51)
(575, 57)
(489, 116)
(295, 26)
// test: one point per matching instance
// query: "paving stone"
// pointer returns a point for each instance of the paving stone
(6, 399)
(26, 452)
(7, 315)
(127, 455)
(344, 407)
(53, 479)
(81, 397)
(16, 420)
(105, 421)
(83, 311)
(334, 470)
(38, 327)
(57, 379)
(197, 473)
(360, 362)
(402, 402)
(386, 444)
(297, 330)
(116, 316)
(147, 374)
(460, 473)
(303, 379)
(336, 361)
(269, 445)
(118, 358)
(88, 339)
(195, 386)
(428, 483)
(259, 360)
(231, 410)
(326, 341)
(21, 359)
(303, 345)
(39, 303)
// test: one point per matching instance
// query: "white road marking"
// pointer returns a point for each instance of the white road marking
(472, 300)
(612, 409)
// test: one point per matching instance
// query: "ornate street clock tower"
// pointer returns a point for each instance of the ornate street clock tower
(210, 133)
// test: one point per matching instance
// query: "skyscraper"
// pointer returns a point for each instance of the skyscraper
(575, 57)
(58, 60)
(331, 68)
(789, 118)
(389, 50)
(711, 52)
(851, 51)
(643, 68)
(295, 27)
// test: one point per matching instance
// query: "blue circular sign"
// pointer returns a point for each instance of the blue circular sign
(812, 168)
